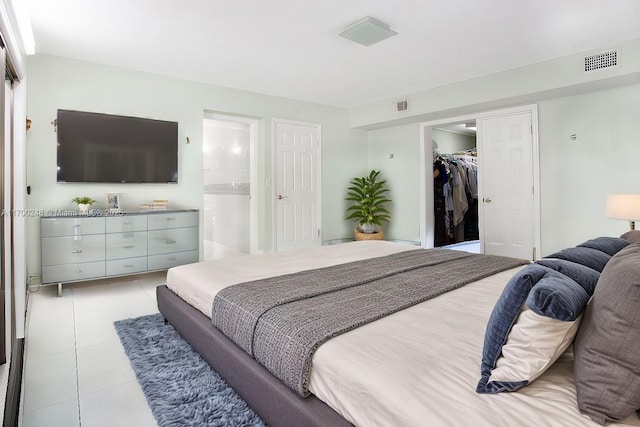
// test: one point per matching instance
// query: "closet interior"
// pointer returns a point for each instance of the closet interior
(455, 182)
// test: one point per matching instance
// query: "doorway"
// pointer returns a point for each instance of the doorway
(455, 184)
(508, 166)
(229, 213)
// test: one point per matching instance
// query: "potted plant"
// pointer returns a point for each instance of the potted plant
(83, 203)
(368, 197)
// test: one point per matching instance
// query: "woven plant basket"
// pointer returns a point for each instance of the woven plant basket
(378, 235)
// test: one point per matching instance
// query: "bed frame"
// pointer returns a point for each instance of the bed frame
(274, 402)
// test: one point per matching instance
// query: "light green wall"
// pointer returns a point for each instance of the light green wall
(525, 85)
(402, 173)
(595, 105)
(447, 142)
(575, 176)
(55, 83)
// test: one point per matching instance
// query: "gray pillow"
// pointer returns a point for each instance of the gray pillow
(632, 236)
(558, 297)
(585, 276)
(592, 258)
(606, 244)
(607, 347)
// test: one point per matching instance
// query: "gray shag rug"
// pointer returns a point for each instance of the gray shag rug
(180, 386)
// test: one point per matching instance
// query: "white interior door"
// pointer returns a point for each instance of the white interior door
(506, 199)
(297, 190)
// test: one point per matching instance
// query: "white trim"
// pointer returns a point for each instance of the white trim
(457, 132)
(19, 203)
(537, 225)
(253, 171)
(426, 203)
(10, 34)
(23, 23)
(426, 153)
(274, 207)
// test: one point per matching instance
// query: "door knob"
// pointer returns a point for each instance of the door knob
(280, 197)
(487, 200)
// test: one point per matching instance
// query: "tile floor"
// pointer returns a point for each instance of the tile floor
(472, 246)
(76, 372)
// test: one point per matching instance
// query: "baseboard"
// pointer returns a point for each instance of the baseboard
(14, 385)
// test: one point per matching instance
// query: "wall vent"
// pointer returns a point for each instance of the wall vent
(401, 106)
(601, 60)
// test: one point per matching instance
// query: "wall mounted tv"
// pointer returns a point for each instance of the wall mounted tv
(95, 147)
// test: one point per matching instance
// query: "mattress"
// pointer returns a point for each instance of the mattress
(416, 367)
(198, 283)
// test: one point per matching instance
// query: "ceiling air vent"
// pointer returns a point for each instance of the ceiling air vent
(601, 60)
(401, 106)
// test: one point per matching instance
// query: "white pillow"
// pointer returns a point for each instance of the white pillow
(535, 342)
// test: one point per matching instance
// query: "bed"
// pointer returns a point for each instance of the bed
(417, 366)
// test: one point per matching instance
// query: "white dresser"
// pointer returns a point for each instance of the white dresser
(76, 248)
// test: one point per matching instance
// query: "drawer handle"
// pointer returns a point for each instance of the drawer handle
(79, 251)
(128, 246)
(170, 242)
(171, 218)
(128, 266)
(171, 258)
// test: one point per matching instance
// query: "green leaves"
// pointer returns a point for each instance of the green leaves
(84, 200)
(368, 197)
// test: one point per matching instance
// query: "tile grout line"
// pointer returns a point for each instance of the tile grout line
(75, 351)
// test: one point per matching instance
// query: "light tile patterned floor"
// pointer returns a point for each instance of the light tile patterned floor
(76, 372)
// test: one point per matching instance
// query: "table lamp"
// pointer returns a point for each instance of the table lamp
(624, 206)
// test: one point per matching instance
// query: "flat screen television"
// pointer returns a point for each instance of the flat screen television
(96, 147)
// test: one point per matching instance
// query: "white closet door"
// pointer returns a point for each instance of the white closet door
(506, 201)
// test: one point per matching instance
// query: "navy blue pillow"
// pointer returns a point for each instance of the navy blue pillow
(608, 245)
(558, 297)
(504, 315)
(592, 258)
(583, 275)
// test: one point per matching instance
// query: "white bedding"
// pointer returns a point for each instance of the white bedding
(198, 283)
(417, 367)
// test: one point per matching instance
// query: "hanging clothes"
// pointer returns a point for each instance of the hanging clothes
(443, 204)
(456, 194)
(460, 203)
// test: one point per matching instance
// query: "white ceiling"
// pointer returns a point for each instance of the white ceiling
(290, 48)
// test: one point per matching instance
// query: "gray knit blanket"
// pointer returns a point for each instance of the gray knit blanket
(281, 321)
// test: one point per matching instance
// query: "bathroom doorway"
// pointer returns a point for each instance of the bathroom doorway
(229, 214)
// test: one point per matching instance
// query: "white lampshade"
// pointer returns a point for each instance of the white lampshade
(624, 206)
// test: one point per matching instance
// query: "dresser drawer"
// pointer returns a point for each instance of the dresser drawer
(55, 227)
(85, 247)
(126, 245)
(72, 250)
(163, 262)
(173, 240)
(173, 220)
(72, 272)
(119, 267)
(126, 223)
